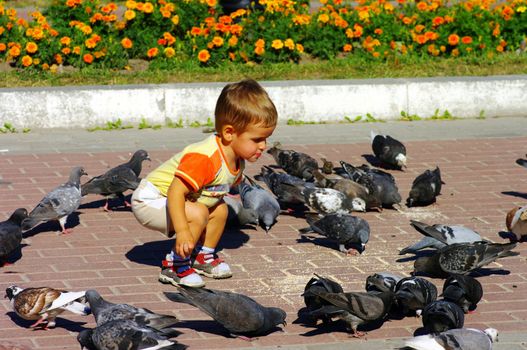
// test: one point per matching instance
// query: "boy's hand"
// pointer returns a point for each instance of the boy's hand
(184, 244)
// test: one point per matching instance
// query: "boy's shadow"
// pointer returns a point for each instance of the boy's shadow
(61, 323)
(53, 225)
(233, 238)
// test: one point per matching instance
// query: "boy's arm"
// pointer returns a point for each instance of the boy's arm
(176, 195)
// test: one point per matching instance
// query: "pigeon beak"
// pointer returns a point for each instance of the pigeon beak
(266, 228)
(148, 158)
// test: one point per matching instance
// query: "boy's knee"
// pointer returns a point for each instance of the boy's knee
(197, 213)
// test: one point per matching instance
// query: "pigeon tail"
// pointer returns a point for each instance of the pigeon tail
(29, 222)
(178, 298)
(425, 342)
(78, 308)
(522, 162)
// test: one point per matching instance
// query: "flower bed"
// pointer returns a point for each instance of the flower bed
(85, 33)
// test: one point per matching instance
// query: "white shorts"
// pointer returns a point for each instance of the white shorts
(150, 208)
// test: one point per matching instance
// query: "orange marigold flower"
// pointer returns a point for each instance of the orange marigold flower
(449, 19)
(37, 33)
(71, 3)
(65, 40)
(86, 30)
(236, 29)
(437, 21)
(195, 31)
(422, 6)
(233, 40)
(45, 66)
(127, 43)
(324, 18)
(420, 39)
(166, 14)
(129, 15)
(31, 47)
(453, 39)
(106, 9)
(388, 7)
(496, 31)
(431, 35)
(419, 28)
(203, 56)
(232, 56)
(152, 52)
(299, 48)
(99, 54)
(378, 31)
(289, 43)
(90, 43)
(77, 50)
(358, 30)
(2, 30)
(175, 20)
(169, 52)
(277, 44)
(455, 52)
(66, 50)
(3, 47)
(162, 41)
(148, 7)
(259, 50)
(466, 40)
(169, 38)
(27, 61)
(499, 48)
(14, 51)
(259, 43)
(407, 20)
(376, 54)
(88, 58)
(53, 32)
(58, 58)
(217, 41)
(225, 19)
(211, 3)
(347, 48)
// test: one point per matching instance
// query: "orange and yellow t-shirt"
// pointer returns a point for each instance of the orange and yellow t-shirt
(203, 167)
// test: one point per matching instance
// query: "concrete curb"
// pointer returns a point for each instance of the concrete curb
(332, 100)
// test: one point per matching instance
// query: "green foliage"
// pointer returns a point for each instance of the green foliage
(445, 116)
(112, 125)
(481, 115)
(291, 121)
(8, 128)
(170, 124)
(368, 118)
(144, 124)
(409, 117)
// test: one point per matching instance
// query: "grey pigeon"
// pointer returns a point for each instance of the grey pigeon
(349, 187)
(327, 200)
(454, 339)
(117, 180)
(442, 315)
(105, 311)
(255, 197)
(314, 303)
(239, 314)
(412, 294)
(238, 215)
(344, 228)
(44, 304)
(465, 291)
(11, 234)
(382, 282)
(522, 162)
(462, 258)
(379, 183)
(57, 204)
(278, 183)
(354, 308)
(425, 188)
(294, 163)
(389, 150)
(438, 236)
(127, 334)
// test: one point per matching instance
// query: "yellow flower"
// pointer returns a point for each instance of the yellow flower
(175, 20)
(217, 41)
(77, 50)
(27, 61)
(129, 15)
(31, 47)
(14, 51)
(148, 7)
(289, 43)
(299, 48)
(203, 56)
(169, 52)
(131, 4)
(233, 40)
(521, 9)
(324, 18)
(277, 44)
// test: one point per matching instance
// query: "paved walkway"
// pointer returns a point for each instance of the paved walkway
(113, 254)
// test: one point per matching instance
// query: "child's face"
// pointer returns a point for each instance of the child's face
(251, 143)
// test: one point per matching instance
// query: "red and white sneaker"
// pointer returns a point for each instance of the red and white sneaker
(211, 266)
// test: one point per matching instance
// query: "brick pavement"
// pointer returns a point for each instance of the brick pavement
(113, 254)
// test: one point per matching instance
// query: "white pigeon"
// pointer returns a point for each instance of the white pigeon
(461, 338)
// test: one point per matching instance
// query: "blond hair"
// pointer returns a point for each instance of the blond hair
(242, 104)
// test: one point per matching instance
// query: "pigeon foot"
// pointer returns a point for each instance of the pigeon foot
(357, 334)
(66, 231)
(243, 337)
(42, 322)
(126, 204)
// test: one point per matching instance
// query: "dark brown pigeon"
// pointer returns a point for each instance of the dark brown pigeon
(412, 294)
(465, 291)
(442, 315)
(294, 163)
(11, 234)
(425, 188)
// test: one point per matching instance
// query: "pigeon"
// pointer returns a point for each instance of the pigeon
(327, 166)
(379, 183)
(425, 188)
(327, 200)
(44, 304)
(516, 222)
(105, 311)
(462, 258)
(294, 163)
(343, 228)
(522, 162)
(454, 339)
(117, 180)
(388, 150)
(239, 314)
(442, 315)
(438, 236)
(382, 282)
(238, 215)
(349, 187)
(57, 204)
(355, 308)
(127, 334)
(313, 302)
(465, 291)
(260, 200)
(277, 183)
(412, 294)
(11, 234)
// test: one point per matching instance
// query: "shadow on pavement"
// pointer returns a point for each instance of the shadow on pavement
(54, 226)
(61, 323)
(515, 194)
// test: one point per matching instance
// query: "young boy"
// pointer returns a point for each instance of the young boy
(183, 196)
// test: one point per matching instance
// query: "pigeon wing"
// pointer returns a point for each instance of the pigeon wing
(365, 306)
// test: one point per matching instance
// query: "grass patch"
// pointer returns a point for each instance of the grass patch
(348, 68)
(112, 125)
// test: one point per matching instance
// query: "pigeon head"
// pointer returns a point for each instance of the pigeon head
(400, 160)
(267, 221)
(380, 283)
(12, 292)
(411, 199)
(76, 174)
(18, 216)
(358, 204)
(96, 302)
(85, 339)
(277, 316)
(141, 155)
(248, 216)
(492, 333)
